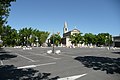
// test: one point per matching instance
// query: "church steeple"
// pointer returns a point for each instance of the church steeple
(65, 29)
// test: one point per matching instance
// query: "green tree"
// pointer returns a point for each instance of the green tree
(10, 36)
(7, 35)
(76, 38)
(43, 36)
(4, 12)
(29, 36)
(104, 39)
(14, 37)
(90, 38)
(56, 39)
(26, 36)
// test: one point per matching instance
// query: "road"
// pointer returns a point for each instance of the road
(63, 64)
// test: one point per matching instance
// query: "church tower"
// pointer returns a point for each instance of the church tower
(65, 29)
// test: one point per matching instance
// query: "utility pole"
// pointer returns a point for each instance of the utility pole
(109, 41)
(53, 44)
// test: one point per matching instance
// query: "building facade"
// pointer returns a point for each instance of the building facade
(116, 41)
(66, 35)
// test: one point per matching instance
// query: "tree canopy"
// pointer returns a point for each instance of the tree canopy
(25, 36)
(56, 39)
(4, 12)
(103, 39)
(76, 38)
(89, 38)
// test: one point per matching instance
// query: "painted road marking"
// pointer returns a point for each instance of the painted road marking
(73, 77)
(25, 57)
(33, 66)
(1, 62)
(44, 55)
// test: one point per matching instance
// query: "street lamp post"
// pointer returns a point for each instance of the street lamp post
(53, 44)
(109, 42)
(27, 41)
(105, 41)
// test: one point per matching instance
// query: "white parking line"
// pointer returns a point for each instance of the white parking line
(73, 77)
(25, 57)
(32, 66)
(44, 55)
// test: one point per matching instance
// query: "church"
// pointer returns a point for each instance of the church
(66, 35)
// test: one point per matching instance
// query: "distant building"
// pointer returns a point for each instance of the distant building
(116, 41)
(66, 35)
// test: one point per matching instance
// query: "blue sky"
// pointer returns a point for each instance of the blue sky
(89, 16)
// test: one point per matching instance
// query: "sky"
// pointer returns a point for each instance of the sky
(88, 16)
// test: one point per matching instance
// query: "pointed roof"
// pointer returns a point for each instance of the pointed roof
(65, 24)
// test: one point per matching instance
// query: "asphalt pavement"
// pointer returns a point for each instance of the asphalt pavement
(65, 64)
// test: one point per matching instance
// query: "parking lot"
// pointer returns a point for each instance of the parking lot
(65, 64)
